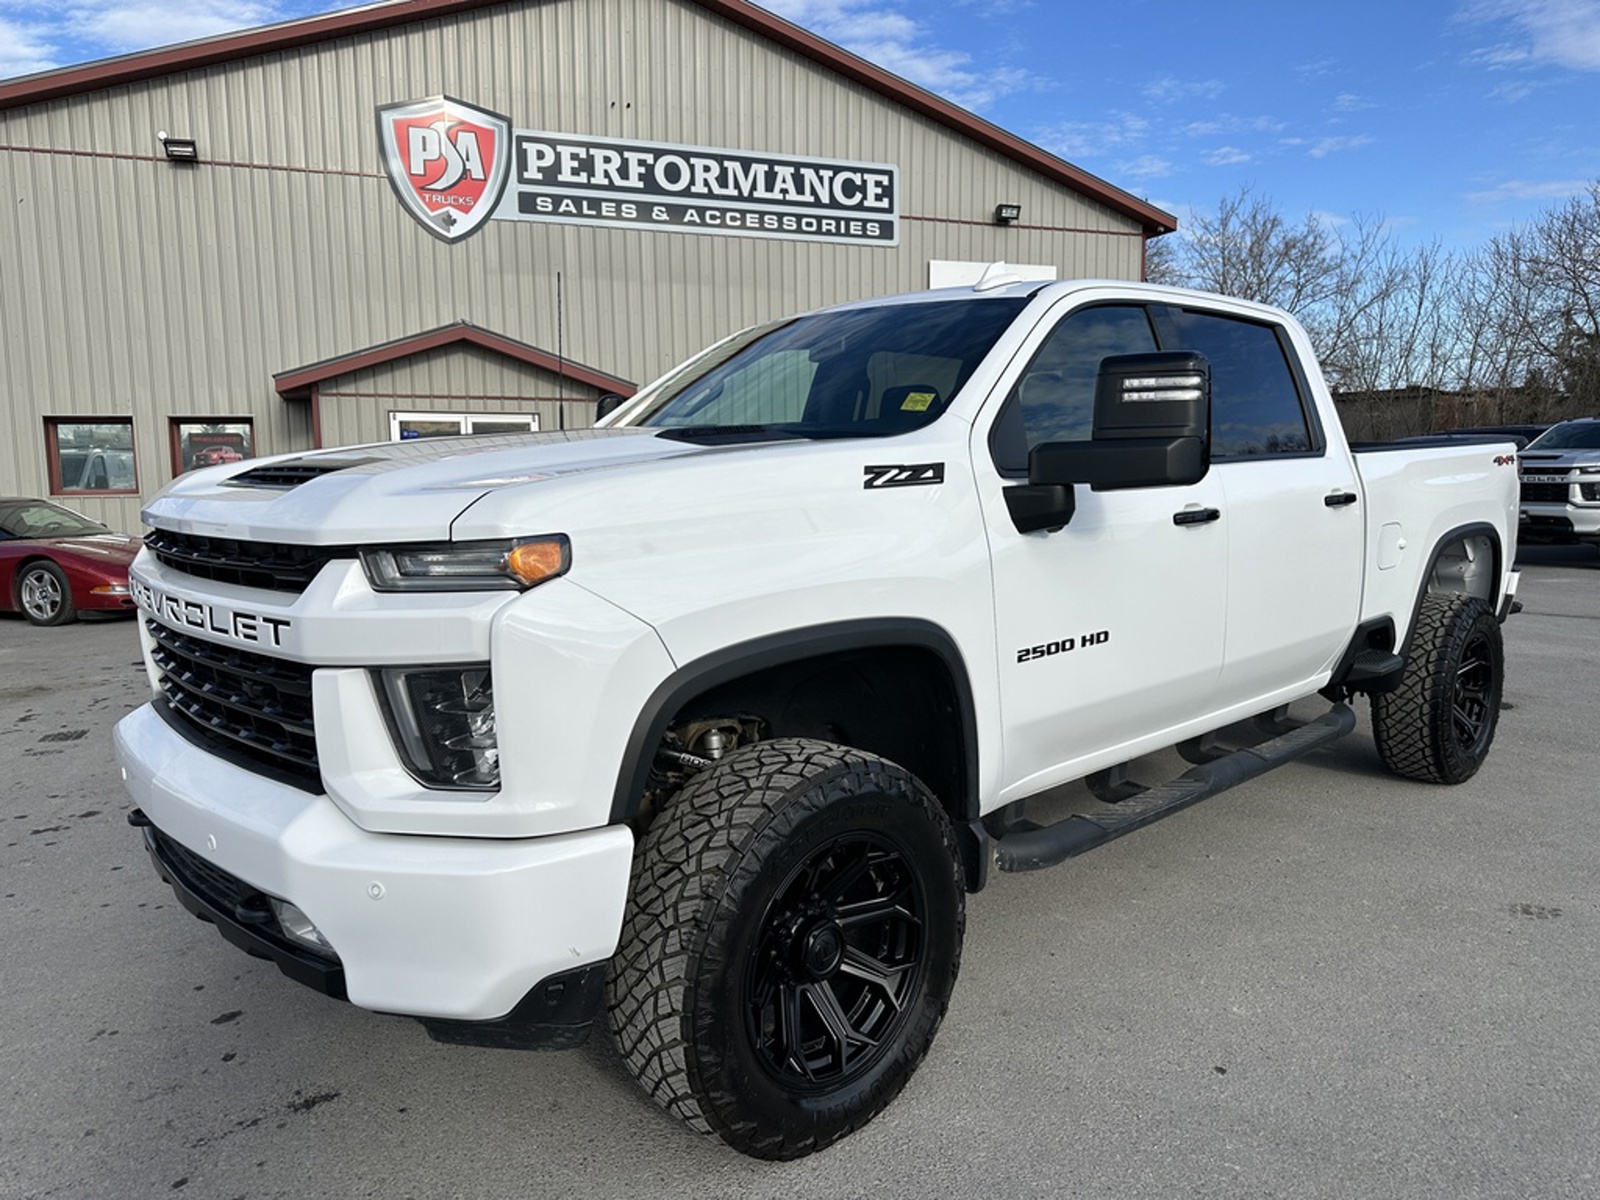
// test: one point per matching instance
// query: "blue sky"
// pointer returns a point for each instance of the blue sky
(1450, 119)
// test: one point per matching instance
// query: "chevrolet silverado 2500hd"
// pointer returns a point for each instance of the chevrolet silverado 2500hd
(709, 719)
(1561, 483)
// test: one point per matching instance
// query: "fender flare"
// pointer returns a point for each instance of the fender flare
(796, 645)
(1447, 539)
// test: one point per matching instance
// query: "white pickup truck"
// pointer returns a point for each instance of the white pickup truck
(709, 718)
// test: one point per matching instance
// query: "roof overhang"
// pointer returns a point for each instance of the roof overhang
(297, 384)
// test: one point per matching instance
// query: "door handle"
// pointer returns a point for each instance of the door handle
(1339, 499)
(1195, 516)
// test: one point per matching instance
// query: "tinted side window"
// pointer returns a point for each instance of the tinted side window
(1054, 399)
(1255, 406)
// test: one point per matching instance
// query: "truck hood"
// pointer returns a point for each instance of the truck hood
(388, 492)
(1557, 460)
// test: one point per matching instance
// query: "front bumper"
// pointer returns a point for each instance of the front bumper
(1558, 522)
(453, 929)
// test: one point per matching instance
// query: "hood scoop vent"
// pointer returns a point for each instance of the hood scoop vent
(293, 473)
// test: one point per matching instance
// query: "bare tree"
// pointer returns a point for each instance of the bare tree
(1549, 274)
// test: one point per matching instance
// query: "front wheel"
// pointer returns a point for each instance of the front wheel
(790, 945)
(44, 594)
(1437, 726)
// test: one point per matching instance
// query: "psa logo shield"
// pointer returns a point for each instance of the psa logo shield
(448, 162)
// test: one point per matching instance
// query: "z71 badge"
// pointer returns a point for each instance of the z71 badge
(904, 475)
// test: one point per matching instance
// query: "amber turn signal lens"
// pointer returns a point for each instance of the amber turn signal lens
(535, 562)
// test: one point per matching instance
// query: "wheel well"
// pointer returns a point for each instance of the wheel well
(899, 702)
(895, 687)
(1469, 564)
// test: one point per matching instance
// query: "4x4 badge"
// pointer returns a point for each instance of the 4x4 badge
(448, 162)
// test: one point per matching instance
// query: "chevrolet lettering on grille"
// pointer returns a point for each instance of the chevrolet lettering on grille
(255, 629)
(1546, 479)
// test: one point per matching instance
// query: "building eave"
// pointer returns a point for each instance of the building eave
(297, 384)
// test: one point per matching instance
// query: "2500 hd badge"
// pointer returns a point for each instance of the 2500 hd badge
(230, 623)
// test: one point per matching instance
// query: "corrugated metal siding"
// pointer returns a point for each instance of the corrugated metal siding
(356, 407)
(129, 285)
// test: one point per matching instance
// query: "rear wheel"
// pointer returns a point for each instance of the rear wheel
(44, 595)
(790, 945)
(1438, 725)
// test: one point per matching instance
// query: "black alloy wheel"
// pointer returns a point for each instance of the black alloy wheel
(1438, 724)
(838, 956)
(792, 937)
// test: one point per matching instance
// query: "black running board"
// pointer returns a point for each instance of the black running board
(1031, 847)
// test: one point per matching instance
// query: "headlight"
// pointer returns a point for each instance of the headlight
(511, 565)
(442, 719)
(1590, 470)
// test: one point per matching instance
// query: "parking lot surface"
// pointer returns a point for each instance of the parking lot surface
(1325, 983)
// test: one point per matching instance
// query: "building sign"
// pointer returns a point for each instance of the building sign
(445, 159)
(448, 162)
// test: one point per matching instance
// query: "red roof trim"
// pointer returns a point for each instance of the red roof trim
(298, 383)
(131, 68)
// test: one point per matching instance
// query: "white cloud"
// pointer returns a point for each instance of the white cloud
(1522, 189)
(1231, 126)
(133, 26)
(1564, 32)
(1087, 139)
(24, 49)
(1335, 145)
(1227, 156)
(1346, 102)
(1168, 89)
(881, 33)
(1146, 166)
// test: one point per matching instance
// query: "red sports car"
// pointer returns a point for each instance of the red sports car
(213, 456)
(55, 563)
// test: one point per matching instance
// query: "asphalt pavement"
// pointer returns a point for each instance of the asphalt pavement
(1325, 983)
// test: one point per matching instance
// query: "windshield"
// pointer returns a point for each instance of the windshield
(36, 518)
(864, 372)
(1574, 435)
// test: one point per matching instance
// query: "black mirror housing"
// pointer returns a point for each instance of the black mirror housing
(608, 404)
(1152, 396)
(1152, 420)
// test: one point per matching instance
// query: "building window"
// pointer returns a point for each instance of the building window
(408, 426)
(92, 455)
(209, 441)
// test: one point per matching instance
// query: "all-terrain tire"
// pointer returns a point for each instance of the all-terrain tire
(1438, 725)
(790, 945)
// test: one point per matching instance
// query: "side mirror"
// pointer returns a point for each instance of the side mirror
(1152, 418)
(608, 404)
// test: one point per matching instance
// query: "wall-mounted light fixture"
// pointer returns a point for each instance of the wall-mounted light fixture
(181, 150)
(1006, 214)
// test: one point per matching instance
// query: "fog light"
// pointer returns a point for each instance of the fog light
(297, 927)
(443, 721)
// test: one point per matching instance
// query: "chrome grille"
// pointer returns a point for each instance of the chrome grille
(253, 705)
(276, 566)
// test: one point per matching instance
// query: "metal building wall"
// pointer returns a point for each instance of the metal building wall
(133, 286)
(356, 407)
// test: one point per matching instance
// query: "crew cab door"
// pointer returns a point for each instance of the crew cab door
(1291, 503)
(1110, 628)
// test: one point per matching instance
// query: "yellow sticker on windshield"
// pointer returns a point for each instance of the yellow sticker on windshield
(918, 401)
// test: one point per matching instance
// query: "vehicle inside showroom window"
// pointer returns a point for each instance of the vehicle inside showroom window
(209, 441)
(408, 426)
(90, 455)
